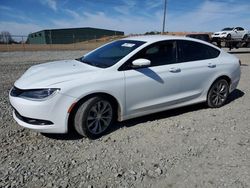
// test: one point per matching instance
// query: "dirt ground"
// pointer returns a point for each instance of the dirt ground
(48, 47)
(188, 147)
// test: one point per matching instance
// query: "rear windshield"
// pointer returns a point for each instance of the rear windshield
(110, 54)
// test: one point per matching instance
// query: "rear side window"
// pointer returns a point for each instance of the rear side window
(194, 51)
(240, 29)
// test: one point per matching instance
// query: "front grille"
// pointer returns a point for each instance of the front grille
(31, 120)
(15, 92)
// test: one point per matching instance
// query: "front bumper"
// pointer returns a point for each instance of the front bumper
(49, 116)
(219, 36)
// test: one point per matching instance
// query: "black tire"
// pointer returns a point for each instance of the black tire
(89, 120)
(229, 37)
(218, 93)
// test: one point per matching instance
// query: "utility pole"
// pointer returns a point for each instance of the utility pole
(164, 17)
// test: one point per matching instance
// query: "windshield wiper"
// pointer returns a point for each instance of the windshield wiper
(100, 65)
(81, 60)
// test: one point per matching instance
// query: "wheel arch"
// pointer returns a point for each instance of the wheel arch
(225, 77)
(76, 105)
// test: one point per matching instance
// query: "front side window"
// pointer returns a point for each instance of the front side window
(110, 54)
(194, 51)
(160, 53)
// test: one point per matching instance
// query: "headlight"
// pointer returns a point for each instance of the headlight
(33, 94)
(223, 33)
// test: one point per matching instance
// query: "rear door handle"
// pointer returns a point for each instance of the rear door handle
(210, 65)
(175, 70)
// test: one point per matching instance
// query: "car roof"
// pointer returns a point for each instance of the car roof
(158, 38)
(154, 38)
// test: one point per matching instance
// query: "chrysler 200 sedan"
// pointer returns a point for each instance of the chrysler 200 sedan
(121, 80)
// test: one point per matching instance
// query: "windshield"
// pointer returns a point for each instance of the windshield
(110, 54)
(227, 29)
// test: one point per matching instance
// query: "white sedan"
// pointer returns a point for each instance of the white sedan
(122, 80)
(231, 33)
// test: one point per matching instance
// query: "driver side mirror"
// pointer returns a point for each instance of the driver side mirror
(141, 63)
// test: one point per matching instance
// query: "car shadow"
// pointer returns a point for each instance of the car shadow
(72, 135)
(236, 94)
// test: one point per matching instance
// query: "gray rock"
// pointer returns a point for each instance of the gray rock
(158, 171)
(132, 172)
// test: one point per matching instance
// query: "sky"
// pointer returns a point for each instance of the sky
(21, 17)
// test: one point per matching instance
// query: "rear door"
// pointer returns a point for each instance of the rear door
(241, 32)
(198, 63)
(237, 32)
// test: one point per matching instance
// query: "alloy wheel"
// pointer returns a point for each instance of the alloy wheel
(219, 93)
(99, 117)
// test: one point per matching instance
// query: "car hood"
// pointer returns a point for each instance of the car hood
(48, 74)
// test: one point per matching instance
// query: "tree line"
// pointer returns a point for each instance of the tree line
(6, 38)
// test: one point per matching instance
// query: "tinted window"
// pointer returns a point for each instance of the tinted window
(240, 29)
(110, 54)
(160, 53)
(193, 51)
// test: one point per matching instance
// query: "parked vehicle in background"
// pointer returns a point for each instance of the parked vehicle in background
(204, 37)
(121, 80)
(231, 33)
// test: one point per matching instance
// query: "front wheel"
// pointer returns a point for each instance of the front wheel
(94, 117)
(218, 94)
(229, 37)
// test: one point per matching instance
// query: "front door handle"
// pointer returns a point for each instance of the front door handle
(174, 70)
(210, 65)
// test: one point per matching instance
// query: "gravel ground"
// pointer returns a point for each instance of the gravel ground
(188, 147)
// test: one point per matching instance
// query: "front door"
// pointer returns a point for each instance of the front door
(157, 86)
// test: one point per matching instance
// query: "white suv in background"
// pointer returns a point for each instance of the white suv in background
(231, 33)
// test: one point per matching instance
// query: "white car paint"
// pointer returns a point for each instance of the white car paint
(138, 92)
(235, 33)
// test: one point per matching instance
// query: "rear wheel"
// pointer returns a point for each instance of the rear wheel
(218, 93)
(94, 117)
